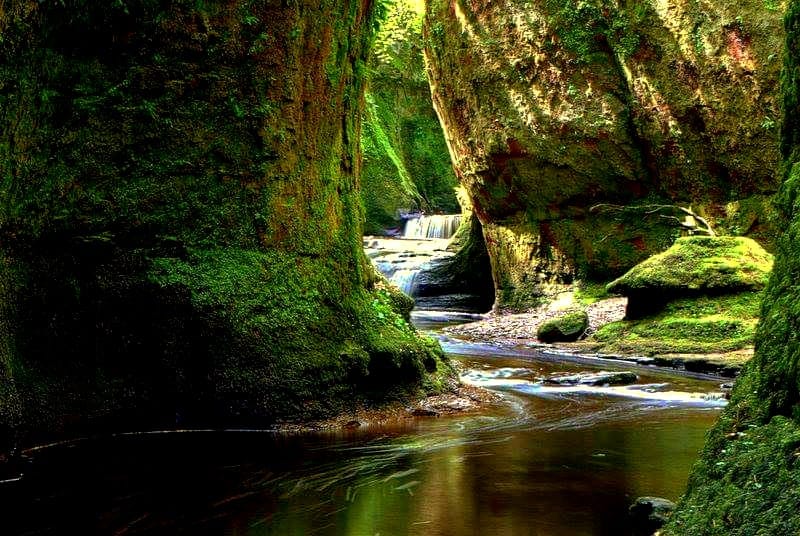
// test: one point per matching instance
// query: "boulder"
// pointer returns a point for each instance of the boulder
(566, 328)
(595, 378)
(696, 265)
(553, 108)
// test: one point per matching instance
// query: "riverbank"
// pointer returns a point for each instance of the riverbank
(519, 330)
(459, 399)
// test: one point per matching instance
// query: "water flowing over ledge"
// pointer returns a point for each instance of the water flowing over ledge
(442, 226)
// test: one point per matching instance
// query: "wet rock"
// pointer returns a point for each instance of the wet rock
(594, 378)
(422, 412)
(649, 514)
(567, 328)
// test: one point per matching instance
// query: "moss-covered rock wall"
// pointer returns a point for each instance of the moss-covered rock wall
(553, 107)
(180, 217)
(406, 163)
(747, 480)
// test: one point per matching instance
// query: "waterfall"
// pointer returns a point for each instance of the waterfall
(439, 226)
(404, 280)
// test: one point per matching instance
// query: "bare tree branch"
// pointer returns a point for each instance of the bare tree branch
(693, 223)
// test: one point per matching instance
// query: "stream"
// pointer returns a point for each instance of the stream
(548, 460)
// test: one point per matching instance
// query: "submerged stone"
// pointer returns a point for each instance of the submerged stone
(595, 378)
(649, 514)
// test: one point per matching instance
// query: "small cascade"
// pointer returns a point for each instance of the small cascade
(437, 226)
(412, 262)
(404, 261)
(404, 280)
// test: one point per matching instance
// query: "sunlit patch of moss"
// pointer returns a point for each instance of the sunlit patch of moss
(700, 263)
(567, 327)
(697, 325)
(589, 292)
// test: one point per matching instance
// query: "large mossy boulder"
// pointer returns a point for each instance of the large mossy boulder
(568, 327)
(694, 266)
(180, 217)
(552, 108)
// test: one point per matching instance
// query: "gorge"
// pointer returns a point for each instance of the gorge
(188, 192)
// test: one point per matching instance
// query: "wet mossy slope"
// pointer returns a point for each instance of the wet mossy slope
(747, 481)
(406, 162)
(180, 217)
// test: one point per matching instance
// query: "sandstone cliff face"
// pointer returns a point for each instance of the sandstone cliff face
(180, 220)
(747, 480)
(553, 107)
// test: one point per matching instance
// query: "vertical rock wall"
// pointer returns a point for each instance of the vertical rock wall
(551, 108)
(747, 480)
(180, 216)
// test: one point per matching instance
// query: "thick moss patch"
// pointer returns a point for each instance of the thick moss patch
(697, 265)
(700, 325)
(700, 263)
(181, 220)
(747, 481)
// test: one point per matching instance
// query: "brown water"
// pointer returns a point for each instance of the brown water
(547, 462)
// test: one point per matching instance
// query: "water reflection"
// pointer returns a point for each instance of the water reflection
(566, 464)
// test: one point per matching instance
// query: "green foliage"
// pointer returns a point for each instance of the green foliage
(397, 51)
(747, 483)
(406, 161)
(583, 27)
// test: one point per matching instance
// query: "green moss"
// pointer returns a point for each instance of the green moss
(752, 489)
(699, 263)
(747, 478)
(181, 220)
(568, 327)
(406, 161)
(687, 326)
(553, 107)
(589, 292)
